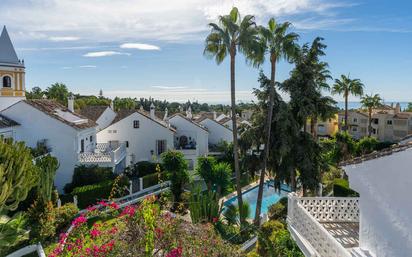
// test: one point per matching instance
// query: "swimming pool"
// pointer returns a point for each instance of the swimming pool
(270, 196)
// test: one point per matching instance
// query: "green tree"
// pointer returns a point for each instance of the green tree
(58, 92)
(18, 174)
(48, 166)
(230, 35)
(176, 168)
(204, 169)
(35, 93)
(221, 175)
(371, 102)
(279, 44)
(346, 86)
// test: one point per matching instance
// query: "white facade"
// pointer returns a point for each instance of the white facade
(217, 131)
(105, 118)
(63, 139)
(8, 132)
(385, 204)
(143, 141)
(191, 138)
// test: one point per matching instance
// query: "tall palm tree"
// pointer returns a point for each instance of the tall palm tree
(233, 34)
(279, 44)
(371, 102)
(345, 86)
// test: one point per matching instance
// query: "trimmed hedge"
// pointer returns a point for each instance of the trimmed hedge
(153, 179)
(90, 194)
(341, 188)
(143, 168)
(88, 175)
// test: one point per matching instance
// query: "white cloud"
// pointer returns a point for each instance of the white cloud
(104, 54)
(67, 68)
(139, 46)
(136, 20)
(63, 39)
(88, 66)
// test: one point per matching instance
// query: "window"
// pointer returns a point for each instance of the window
(6, 81)
(136, 124)
(82, 145)
(114, 131)
(355, 129)
(127, 144)
(355, 120)
(161, 146)
(389, 122)
(374, 131)
(376, 121)
(91, 138)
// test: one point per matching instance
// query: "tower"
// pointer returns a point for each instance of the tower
(12, 73)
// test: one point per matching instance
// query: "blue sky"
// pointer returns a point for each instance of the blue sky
(154, 48)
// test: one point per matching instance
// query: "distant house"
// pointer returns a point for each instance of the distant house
(191, 138)
(102, 115)
(70, 136)
(146, 137)
(217, 131)
(7, 127)
(325, 128)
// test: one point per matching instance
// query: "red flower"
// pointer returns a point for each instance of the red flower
(176, 252)
(95, 233)
(79, 221)
(215, 220)
(128, 210)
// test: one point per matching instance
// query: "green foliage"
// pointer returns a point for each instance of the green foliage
(13, 231)
(279, 210)
(222, 174)
(233, 215)
(64, 216)
(87, 175)
(341, 189)
(366, 145)
(90, 194)
(176, 168)
(204, 207)
(143, 168)
(204, 169)
(58, 92)
(153, 179)
(42, 217)
(120, 187)
(40, 149)
(18, 174)
(48, 166)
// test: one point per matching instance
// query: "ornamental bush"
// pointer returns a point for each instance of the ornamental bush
(87, 175)
(88, 195)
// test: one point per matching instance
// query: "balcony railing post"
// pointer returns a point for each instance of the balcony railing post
(292, 199)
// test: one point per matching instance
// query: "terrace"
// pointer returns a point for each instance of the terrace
(325, 226)
(105, 154)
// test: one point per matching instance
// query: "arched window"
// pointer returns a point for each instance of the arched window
(6, 81)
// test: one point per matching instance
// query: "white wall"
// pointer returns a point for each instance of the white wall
(385, 203)
(217, 132)
(6, 101)
(141, 140)
(105, 119)
(63, 139)
(9, 132)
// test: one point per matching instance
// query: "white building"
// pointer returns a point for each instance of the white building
(217, 131)
(7, 127)
(70, 136)
(12, 73)
(145, 136)
(191, 138)
(378, 223)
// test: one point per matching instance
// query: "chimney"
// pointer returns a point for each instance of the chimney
(152, 111)
(166, 114)
(141, 108)
(214, 115)
(70, 103)
(189, 112)
(397, 108)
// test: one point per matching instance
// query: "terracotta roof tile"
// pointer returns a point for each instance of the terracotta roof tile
(93, 112)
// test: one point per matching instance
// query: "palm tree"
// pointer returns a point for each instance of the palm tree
(371, 102)
(278, 44)
(347, 86)
(230, 35)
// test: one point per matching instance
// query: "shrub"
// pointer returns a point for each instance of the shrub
(176, 168)
(278, 211)
(64, 215)
(153, 179)
(143, 168)
(87, 175)
(42, 217)
(204, 207)
(366, 145)
(120, 187)
(341, 188)
(90, 194)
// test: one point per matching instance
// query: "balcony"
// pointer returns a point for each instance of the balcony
(325, 226)
(105, 154)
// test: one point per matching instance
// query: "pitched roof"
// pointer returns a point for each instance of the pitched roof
(93, 112)
(6, 122)
(123, 113)
(57, 111)
(224, 120)
(377, 154)
(402, 115)
(7, 53)
(189, 120)
(207, 118)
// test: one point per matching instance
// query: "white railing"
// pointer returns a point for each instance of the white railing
(306, 213)
(27, 250)
(104, 153)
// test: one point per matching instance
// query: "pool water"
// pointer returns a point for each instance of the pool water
(270, 196)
